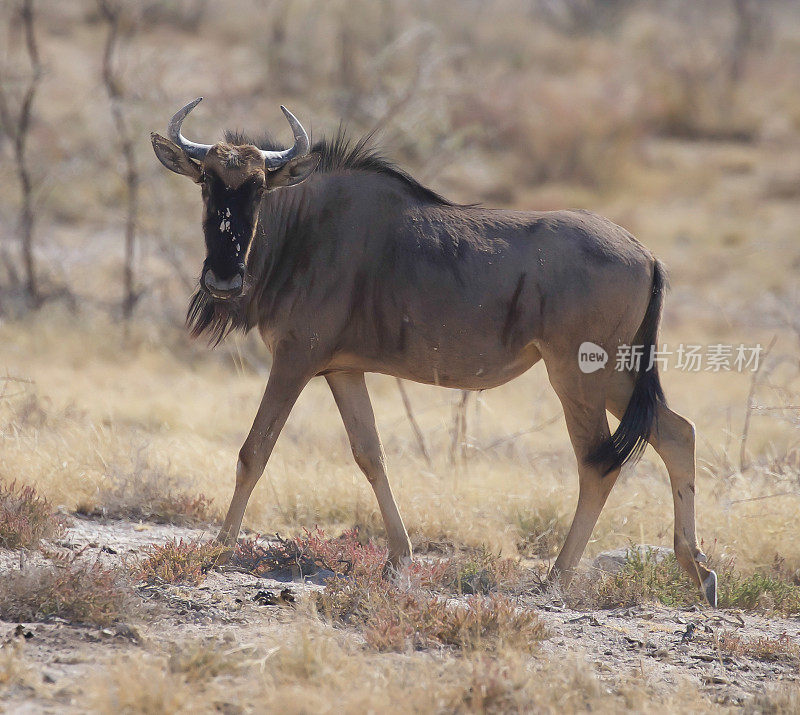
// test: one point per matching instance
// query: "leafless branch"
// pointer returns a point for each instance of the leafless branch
(111, 12)
(516, 435)
(17, 126)
(167, 250)
(751, 406)
(458, 433)
(414, 424)
(746, 14)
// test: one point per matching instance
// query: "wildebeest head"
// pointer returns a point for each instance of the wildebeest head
(233, 179)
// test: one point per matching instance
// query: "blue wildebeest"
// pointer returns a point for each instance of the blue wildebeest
(347, 265)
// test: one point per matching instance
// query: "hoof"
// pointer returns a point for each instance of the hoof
(709, 587)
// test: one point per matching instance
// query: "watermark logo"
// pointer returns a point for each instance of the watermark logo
(591, 357)
(689, 358)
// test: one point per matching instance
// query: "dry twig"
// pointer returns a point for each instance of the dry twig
(751, 406)
(414, 424)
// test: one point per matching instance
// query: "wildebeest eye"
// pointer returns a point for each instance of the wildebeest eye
(254, 183)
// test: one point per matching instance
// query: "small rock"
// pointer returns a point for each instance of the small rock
(266, 598)
(125, 630)
(614, 561)
(688, 634)
(21, 632)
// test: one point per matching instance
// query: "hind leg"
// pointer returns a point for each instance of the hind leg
(674, 439)
(350, 392)
(582, 397)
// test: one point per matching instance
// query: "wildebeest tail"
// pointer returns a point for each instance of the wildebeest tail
(630, 438)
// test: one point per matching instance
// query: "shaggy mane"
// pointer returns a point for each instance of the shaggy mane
(342, 152)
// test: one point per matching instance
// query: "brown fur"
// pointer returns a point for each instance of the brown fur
(234, 164)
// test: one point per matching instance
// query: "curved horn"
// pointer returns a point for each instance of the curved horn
(195, 151)
(276, 159)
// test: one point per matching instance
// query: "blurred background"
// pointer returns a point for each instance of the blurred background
(679, 119)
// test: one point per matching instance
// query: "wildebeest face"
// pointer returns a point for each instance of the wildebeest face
(233, 178)
(233, 181)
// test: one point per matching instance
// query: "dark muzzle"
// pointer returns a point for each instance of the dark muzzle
(223, 288)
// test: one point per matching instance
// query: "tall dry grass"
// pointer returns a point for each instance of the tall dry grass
(73, 429)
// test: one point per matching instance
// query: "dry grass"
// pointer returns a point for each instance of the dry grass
(411, 610)
(767, 592)
(149, 494)
(141, 684)
(72, 590)
(541, 532)
(16, 671)
(415, 612)
(782, 649)
(308, 554)
(203, 659)
(311, 479)
(25, 517)
(777, 699)
(399, 622)
(644, 577)
(315, 671)
(177, 561)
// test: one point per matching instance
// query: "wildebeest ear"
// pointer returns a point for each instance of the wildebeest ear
(293, 172)
(174, 158)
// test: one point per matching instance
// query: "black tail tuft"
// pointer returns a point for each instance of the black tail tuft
(630, 438)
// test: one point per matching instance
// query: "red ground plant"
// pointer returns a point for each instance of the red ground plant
(25, 517)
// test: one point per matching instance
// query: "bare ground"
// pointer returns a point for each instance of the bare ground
(239, 612)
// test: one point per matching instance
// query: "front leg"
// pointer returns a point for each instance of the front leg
(286, 381)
